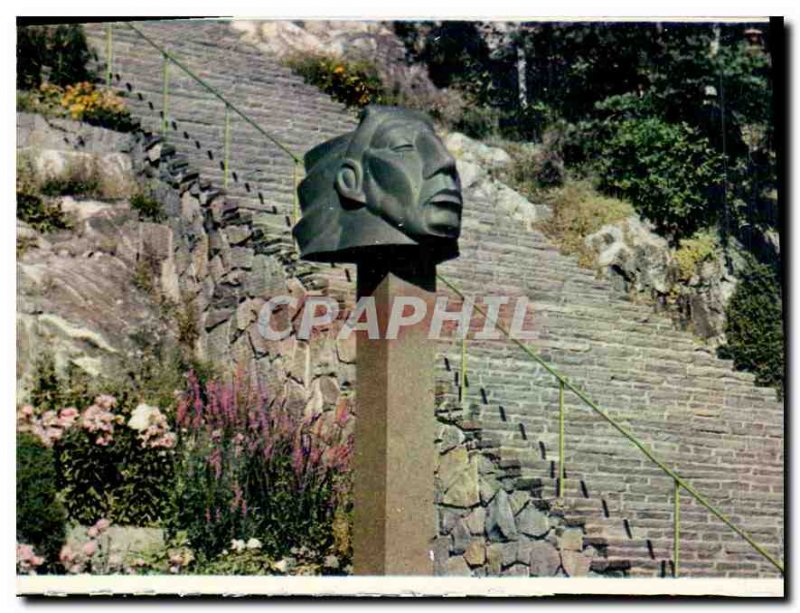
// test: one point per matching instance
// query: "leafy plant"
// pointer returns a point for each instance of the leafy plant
(148, 207)
(41, 214)
(41, 518)
(251, 470)
(100, 107)
(58, 54)
(667, 171)
(692, 251)
(478, 122)
(81, 101)
(113, 464)
(754, 328)
(353, 83)
(106, 467)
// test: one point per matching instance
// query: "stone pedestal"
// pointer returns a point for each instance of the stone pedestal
(394, 518)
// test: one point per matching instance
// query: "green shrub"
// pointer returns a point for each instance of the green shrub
(58, 52)
(80, 101)
(41, 518)
(121, 480)
(97, 106)
(355, 84)
(479, 122)
(578, 211)
(535, 167)
(692, 251)
(251, 470)
(754, 328)
(148, 207)
(528, 123)
(119, 477)
(667, 171)
(41, 214)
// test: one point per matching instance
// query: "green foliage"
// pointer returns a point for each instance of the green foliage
(250, 470)
(355, 84)
(669, 172)
(706, 85)
(535, 167)
(456, 55)
(754, 328)
(41, 214)
(254, 561)
(41, 518)
(148, 207)
(578, 211)
(97, 106)
(528, 123)
(479, 122)
(124, 482)
(80, 101)
(59, 53)
(691, 252)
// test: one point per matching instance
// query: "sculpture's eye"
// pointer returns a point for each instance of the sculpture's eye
(403, 146)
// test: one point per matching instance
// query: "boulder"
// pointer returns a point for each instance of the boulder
(457, 567)
(458, 474)
(475, 554)
(631, 250)
(544, 559)
(533, 522)
(500, 524)
(575, 564)
(570, 539)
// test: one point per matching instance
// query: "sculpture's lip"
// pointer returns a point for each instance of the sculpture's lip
(451, 198)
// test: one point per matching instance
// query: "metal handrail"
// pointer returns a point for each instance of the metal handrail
(563, 382)
(680, 482)
(168, 58)
(211, 89)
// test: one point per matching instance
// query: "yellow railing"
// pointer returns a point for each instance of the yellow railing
(168, 59)
(679, 482)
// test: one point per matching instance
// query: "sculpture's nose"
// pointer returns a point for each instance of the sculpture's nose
(437, 157)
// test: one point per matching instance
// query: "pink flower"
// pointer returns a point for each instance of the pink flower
(66, 555)
(25, 552)
(67, 417)
(90, 548)
(102, 525)
(92, 532)
(27, 560)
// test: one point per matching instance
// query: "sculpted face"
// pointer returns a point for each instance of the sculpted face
(390, 183)
(410, 180)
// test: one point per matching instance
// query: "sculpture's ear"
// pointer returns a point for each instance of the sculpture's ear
(350, 181)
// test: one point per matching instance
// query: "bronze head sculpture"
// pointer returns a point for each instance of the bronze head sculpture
(389, 183)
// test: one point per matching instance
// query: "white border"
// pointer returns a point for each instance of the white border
(617, 10)
(232, 586)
